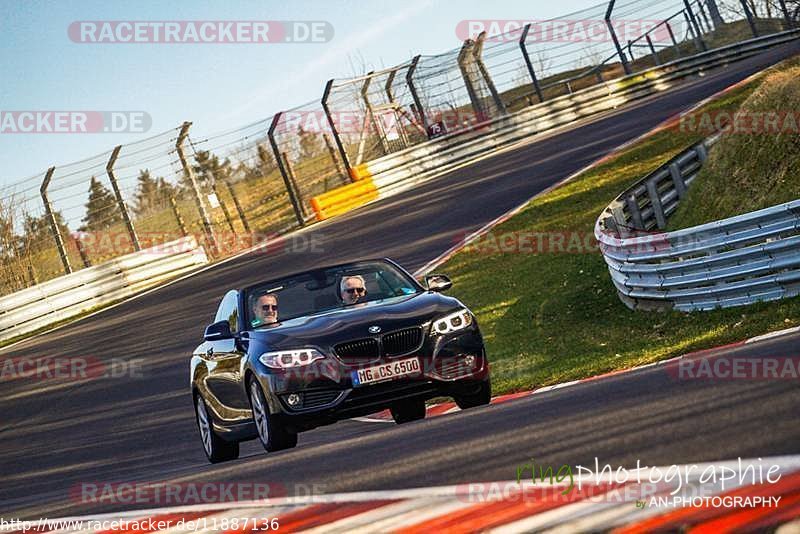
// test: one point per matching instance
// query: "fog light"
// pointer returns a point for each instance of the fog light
(294, 400)
(469, 360)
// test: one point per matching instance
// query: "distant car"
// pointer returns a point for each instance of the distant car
(325, 360)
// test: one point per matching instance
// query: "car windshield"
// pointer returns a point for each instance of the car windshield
(324, 290)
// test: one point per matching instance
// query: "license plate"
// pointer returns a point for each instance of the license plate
(386, 371)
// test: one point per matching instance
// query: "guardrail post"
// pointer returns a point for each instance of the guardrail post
(336, 137)
(636, 213)
(371, 112)
(677, 180)
(695, 26)
(465, 60)
(236, 203)
(178, 217)
(51, 217)
(198, 197)
(477, 52)
(298, 214)
(655, 201)
(524, 48)
(120, 201)
(625, 65)
(414, 94)
(749, 15)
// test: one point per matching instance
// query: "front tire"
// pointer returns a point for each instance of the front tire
(217, 449)
(272, 434)
(408, 410)
(480, 398)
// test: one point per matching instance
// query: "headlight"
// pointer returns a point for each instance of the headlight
(285, 359)
(452, 322)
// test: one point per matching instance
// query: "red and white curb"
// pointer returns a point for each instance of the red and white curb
(603, 502)
(450, 407)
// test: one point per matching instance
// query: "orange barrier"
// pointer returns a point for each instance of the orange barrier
(360, 172)
(343, 199)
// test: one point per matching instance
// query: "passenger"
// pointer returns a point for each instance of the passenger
(352, 289)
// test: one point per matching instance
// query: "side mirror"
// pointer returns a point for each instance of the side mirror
(438, 282)
(218, 331)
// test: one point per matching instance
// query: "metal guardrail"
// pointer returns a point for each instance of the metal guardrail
(70, 295)
(732, 262)
(404, 169)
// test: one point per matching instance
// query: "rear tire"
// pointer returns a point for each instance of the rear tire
(272, 434)
(408, 410)
(481, 398)
(217, 449)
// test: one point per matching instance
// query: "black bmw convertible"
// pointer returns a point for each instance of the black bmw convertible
(291, 354)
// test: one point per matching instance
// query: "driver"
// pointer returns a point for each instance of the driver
(352, 289)
(266, 309)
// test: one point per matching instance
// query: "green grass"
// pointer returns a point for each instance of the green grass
(749, 171)
(552, 317)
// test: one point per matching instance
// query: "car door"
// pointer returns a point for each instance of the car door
(223, 359)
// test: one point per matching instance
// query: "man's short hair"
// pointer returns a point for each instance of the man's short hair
(348, 277)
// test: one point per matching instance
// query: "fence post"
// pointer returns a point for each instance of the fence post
(298, 214)
(653, 50)
(332, 152)
(178, 217)
(401, 130)
(674, 41)
(371, 112)
(477, 52)
(81, 251)
(465, 60)
(704, 16)
(292, 179)
(536, 87)
(236, 203)
(693, 23)
(786, 14)
(336, 137)
(749, 15)
(713, 11)
(625, 66)
(414, 94)
(48, 208)
(120, 202)
(189, 173)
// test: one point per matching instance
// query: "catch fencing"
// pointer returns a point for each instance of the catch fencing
(405, 122)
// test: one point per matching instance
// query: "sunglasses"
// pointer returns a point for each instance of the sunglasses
(268, 307)
(352, 290)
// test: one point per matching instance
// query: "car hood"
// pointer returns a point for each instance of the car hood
(353, 322)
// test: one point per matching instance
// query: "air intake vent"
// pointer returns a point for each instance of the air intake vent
(402, 341)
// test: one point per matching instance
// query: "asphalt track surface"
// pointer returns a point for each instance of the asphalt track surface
(55, 435)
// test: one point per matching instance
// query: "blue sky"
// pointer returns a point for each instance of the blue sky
(216, 86)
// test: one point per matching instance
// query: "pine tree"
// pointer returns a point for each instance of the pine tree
(148, 195)
(101, 209)
(37, 233)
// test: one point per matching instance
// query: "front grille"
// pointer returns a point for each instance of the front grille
(320, 397)
(359, 351)
(402, 341)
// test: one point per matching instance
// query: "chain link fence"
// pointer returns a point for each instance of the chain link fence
(237, 188)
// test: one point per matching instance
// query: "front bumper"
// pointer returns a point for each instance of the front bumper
(328, 393)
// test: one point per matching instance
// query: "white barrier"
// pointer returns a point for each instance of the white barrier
(73, 294)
